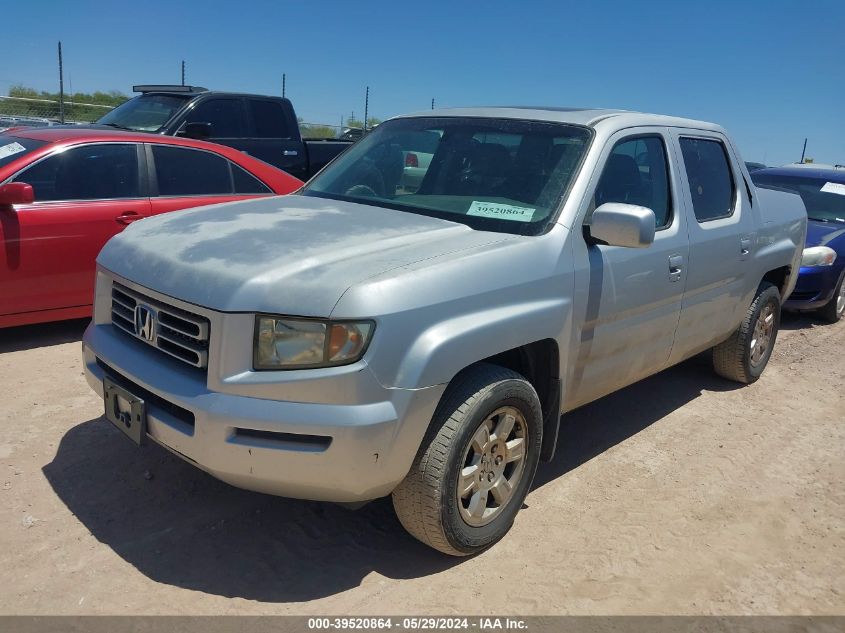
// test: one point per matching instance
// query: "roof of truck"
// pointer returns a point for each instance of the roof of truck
(589, 117)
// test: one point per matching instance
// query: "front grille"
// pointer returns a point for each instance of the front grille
(177, 332)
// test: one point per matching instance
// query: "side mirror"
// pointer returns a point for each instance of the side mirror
(16, 193)
(619, 224)
(198, 130)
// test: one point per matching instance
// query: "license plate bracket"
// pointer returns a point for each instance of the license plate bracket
(126, 411)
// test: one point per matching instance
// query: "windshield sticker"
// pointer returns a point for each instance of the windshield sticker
(834, 187)
(501, 211)
(11, 149)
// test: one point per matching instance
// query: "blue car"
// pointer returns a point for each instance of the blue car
(821, 283)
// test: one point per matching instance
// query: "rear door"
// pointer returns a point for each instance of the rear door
(185, 177)
(722, 240)
(629, 298)
(274, 137)
(83, 196)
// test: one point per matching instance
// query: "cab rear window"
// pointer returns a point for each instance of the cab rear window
(14, 147)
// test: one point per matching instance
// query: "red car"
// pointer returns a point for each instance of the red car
(64, 192)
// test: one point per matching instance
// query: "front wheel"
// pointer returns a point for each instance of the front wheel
(744, 356)
(835, 308)
(476, 464)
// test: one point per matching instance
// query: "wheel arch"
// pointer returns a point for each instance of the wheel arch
(780, 278)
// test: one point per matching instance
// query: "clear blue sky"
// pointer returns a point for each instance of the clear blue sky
(772, 72)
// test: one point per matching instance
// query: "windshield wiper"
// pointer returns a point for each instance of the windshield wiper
(119, 127)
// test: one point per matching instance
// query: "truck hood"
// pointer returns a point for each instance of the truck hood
(292, 255)
(822, 233)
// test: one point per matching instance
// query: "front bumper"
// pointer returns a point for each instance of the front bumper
(814, 288)
(334, 450)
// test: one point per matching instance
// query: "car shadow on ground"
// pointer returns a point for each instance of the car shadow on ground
(801, 321)
(179, 526)
(596, 427)
(23, 337)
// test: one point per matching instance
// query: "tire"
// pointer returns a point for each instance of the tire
(740, 358)
(835, 308)
(428, 502)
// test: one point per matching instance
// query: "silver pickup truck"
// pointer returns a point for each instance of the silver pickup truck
(420, 334)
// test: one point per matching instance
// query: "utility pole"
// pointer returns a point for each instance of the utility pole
(284, 81)
(366, 107)
(70, 87)
(804, 151)
(61, 88)
(183, 72)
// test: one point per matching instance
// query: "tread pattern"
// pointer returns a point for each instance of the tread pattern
(417, 499)
(730, 356)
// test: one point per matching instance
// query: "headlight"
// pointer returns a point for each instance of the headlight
(818, 256)
(283, 343)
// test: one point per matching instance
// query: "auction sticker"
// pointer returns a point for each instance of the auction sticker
(834, 187)
(11, 149)
(501, 211)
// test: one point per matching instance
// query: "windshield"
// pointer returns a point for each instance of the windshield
(490, 174)
(14, 147)
(147, 113)
(824, 199)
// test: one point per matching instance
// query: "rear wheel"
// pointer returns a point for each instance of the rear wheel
(744, 356)
(835, 308)
(476, 464)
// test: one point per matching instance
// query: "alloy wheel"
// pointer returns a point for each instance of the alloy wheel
(493, 465)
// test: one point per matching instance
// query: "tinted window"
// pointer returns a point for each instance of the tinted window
(225, 115)
(189, 172)
(247, 183)
(636, 173)
(269, 119)
(710, 181)
(91, 172)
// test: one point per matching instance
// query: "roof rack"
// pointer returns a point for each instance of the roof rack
(167, 88)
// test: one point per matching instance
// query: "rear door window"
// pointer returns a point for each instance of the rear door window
(268, 118)
(181, 171)
(225, 115)
(245, 182)
(99, 171)
(711, 182)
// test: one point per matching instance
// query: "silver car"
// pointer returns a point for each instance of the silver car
(360, 339)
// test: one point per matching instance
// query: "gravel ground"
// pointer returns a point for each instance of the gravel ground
(683, 494)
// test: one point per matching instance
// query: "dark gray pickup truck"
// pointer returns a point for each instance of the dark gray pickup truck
(263, 127)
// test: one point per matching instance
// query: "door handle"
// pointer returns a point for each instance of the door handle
(128, 217)
(290, 152)
(744, 247)
(676, 267)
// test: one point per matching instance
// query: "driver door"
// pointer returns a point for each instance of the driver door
(83, 196)
(629, 298)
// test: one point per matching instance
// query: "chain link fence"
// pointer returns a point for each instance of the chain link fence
(41, 112)
(15, 111)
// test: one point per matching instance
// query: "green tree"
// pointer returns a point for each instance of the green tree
(78, 106)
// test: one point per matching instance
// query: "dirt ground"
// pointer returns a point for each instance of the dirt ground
(683, 494)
